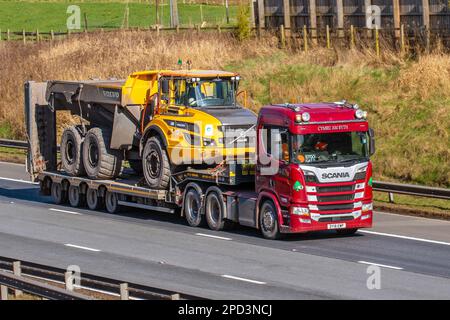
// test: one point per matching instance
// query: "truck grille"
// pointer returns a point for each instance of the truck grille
(330, 219)
(330, 207)
(344, 197)
(335, 189)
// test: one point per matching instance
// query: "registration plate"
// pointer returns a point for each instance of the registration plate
(337, 226)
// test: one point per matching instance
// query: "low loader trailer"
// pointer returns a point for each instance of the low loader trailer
(311, 171)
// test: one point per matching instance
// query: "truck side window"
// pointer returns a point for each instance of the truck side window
(276, 142)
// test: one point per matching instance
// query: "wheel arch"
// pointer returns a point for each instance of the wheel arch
(262, 197)
(152, 131)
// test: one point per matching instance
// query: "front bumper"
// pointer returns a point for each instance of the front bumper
(301, 224)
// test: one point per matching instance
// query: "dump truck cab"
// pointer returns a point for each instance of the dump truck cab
(314, 167)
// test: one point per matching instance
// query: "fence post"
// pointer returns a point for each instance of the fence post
(328, 37)
(352, 37)
(17, 270)
(396, 9)
(287, 16)
(282, 38)
(340, 17)
(261, 16)
(37, 35)
(305, 38)
(3, 292)
(8, 35)
(52, 35)
(391, 197)
(218, 29)
(402, 39)
(313, 20)
(24, 37)
(124, 294)
(377, 41)
(68, 279)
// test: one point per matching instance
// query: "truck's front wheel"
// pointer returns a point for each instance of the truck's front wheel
(268, 221)
(156, 164)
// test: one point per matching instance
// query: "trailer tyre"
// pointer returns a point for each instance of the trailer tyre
(215, 210)
(268, 221)
(193, 208)
(156, 164)
(71, 152)
(59, 195)
(112, 202)
(93, 201)
(100, 162)
(76, 198)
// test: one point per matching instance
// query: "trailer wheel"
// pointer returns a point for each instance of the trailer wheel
(92, 199)
(215, 210)
(59, 195)
(112, 202)
(76, 198)
(156, 164)
(346, 232)
(71, 152)
(100, 162)
(136, 165)
(193, 208)
(268, 220)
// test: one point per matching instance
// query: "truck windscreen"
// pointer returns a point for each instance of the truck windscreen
(205, 93)
(330, 147)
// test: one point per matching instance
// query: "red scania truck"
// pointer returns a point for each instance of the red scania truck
(312, 171)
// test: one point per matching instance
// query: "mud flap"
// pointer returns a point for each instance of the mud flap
(40, 121)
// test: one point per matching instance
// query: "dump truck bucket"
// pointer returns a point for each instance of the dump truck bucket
(40, 120)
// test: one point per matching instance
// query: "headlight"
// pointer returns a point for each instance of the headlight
(360, 114)
(301, 211)
(306, 116)
(367, 207)
(208, 142)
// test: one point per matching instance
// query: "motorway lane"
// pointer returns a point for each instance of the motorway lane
(160, 250)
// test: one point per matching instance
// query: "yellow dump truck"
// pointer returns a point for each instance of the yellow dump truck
(160, 121)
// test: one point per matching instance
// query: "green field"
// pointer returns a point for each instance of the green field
(46, 16)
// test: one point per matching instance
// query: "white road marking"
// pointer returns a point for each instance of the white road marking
(65, 211)
(242, 279)
(404, 237)
(81, 247)
(211, 236)
(411, 216)
(13, 163)
(18, 180)
(381, 265)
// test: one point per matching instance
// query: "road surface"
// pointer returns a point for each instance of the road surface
(412, 254)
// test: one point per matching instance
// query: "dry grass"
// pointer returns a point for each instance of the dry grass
(408, 100)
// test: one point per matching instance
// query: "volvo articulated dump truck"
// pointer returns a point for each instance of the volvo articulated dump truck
(295, 168)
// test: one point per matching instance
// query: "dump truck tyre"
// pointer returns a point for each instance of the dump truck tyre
(71, 152)
(100, 162)
(156, 164)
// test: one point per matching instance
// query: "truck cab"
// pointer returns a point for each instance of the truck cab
(314, 168)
